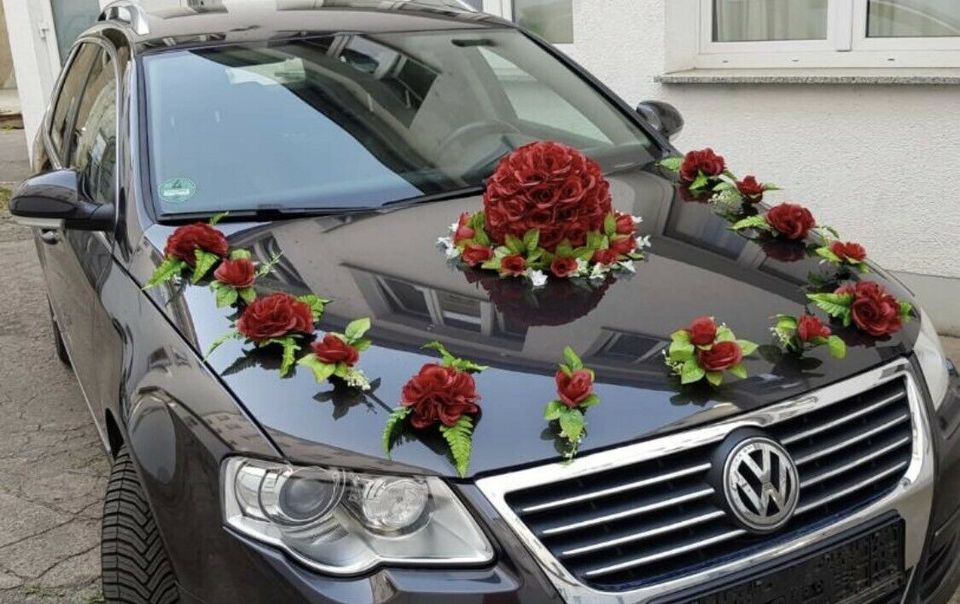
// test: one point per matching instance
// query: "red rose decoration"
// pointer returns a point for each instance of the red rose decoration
(705, 161)
(703, 331)
(333, 350)
(239, 274)
(573, 389)
(440, 394)
(550, 187)
(810, 327)
(792, 221)
(275, 316)
(564, 267)
(514, 265)
(851, 252)
(751, 188)
(463, 232)
(626, 225)
(608, 256)
(720, 357)
(476, 254)
(874, 310)
(623, 245)
(185, 240)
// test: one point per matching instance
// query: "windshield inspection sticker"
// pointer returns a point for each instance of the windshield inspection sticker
(178, 190)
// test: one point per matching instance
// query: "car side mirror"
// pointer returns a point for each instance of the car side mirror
(53, 200)
(664, 117)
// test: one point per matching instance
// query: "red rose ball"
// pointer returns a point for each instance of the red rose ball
(550, 187)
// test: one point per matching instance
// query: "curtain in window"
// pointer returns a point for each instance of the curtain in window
(913, 18)
(762, 20)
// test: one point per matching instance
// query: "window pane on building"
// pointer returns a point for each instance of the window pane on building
(913, 18)
(765, 20)
(70, 18)
(552, 19)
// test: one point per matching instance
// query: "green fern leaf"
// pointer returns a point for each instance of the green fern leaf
(460, 439)
(393, 426)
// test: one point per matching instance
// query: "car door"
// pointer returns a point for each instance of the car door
(81, 260)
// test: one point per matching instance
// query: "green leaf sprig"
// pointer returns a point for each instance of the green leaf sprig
(352, 336)
(575, 396)
(684, 357)
(797, 340)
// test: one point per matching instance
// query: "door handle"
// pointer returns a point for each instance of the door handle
(50, 236)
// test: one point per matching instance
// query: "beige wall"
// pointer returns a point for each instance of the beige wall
(7, 79)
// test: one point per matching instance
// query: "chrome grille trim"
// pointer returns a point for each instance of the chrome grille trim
(852, 441)
(840, 421)
(643, 535)
(605, 570)
(818, 478)
(910, 496)
(851, 489)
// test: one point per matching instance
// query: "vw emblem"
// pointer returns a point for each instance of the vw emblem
(760, 484)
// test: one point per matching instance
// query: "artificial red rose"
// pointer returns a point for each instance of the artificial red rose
(550, 187)
(720, 357)
(513, 265)
(626, 225)
(606, 257)
(703, 331)
(874, 310)
(623, 245)
(704, 161)
(792, 221)
(810, 327)
(440, 394)
(463, 231)
(239, 273)
(185, 241)
(333, 350)
(564, 267)
(573, 389)
(751, 188)
(784, 251)
(275, 316)
(849, 251)
(474, 254)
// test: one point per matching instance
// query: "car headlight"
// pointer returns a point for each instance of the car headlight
(933, 361)
(345, 523)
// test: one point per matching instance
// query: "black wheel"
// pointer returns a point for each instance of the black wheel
(58, 340)
(133, 562)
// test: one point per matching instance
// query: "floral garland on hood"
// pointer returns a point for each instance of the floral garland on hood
(547, 214)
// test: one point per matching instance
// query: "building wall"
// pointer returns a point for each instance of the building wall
(879, 163)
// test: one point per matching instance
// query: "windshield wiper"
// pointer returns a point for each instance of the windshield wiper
(442, 196)
(266, 214)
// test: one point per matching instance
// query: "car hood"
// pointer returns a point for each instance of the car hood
(386, 266)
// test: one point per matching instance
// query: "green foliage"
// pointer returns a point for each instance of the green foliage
(572, 425)
(701, 181)
(321, 371)
(290, 349)
(265, 268)
(837, 347)
(356, 329)
(451, 361)
(515, 244)
(218, 217)
(204, 262)
(691, 372)
(671, 163)
(758, 223)
(394, 423)
(168, 269)
(240, 254)
(531, 240)
(460, 439)
(233, 334)
(553, 410)
(906, 311)
(827, 254)
(226, 295)
(571, 359)
(247, 294)
(610, 225)
(316, 304)
(747, 347)
(835, 305)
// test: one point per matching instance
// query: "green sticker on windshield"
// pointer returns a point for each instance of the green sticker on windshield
(178, 190)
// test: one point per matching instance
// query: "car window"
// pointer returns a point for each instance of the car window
(69, 97)
(359, 120)
(94, 137)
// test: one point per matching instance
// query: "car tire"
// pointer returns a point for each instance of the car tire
(134, 566)
(58, 340)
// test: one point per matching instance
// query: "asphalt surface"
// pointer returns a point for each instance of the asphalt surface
(53, 466)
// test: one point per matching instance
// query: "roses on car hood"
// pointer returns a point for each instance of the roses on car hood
(385, 266)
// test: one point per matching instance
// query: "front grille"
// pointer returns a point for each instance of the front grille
(647, 522)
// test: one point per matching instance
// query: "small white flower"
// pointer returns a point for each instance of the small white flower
(356, 379)
(454, 227)
(637, 220)
(599, 271)
(452, 253)
(445, 242)
(538, 278)
(643, 242)
(583, 267)
(627, 266)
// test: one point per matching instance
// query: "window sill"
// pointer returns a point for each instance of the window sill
(826, 76)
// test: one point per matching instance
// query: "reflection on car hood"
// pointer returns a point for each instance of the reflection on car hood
(385, 265)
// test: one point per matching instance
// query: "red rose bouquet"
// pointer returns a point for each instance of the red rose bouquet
(703, 176)
(278, 319)
(787, 221)
(337, 354)
(705, 350)
(574, 396)
(441, 394)
(547, 211)
(799, 334)
(867, 305)
(196, 248)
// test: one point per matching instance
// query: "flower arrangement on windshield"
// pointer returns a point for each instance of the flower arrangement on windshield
(443, 395)
(868, 306)
(705, 351)
(192, 248)
(803, 333)
(547, 213)
(574, 396)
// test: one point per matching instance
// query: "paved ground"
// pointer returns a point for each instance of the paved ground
(53, 466)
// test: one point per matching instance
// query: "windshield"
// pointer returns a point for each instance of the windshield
(352, 121)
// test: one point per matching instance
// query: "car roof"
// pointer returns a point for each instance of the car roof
(164, 25)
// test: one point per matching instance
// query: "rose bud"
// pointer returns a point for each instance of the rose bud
(751, 188)
(606, 257)
(333, 350)
(239, 273)
(185, 240)
(474, 254)
(626, 225)
(573, 389)
(564, 267)
(463, 232)
(623, 245)
(513, 266)
(810, 327)
(792, 221)
(849, 251)
(720, 357)
(705, 161)
(703, 331)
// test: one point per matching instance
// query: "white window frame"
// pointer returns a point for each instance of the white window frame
(846, 45)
